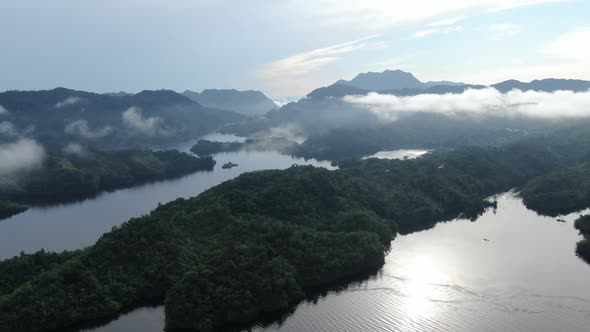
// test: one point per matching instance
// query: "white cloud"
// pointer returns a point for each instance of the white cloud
(3, 110)
(485, 101)
(376, 15)
(429, 32)
(149, 126)
(22, 155)
(68, 101)
(75, 149)
(82, 129)
(302, 63)
(504, 30)
(448, 21)
(507, 5)
(8, 129)
(573, 45)
(424, 33)
(567, 56)
(299, 73)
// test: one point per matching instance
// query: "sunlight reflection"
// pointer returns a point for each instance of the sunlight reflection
(423, 275)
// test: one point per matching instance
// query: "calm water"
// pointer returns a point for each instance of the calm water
(80, 224)
(526, 277)
(398, 154)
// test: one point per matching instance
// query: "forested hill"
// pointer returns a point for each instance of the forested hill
(258, 243)
(59, 116)
(74, 176)
(243, 102)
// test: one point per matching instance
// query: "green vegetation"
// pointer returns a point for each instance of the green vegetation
(20, 269)
(279, 144)
(206, 148)
(97, 119)
(229, 165)
(559, 192)
(583, 247)
(8, 209)
(67, 177)
(259, 243)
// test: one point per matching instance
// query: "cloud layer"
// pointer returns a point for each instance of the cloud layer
(7, 129)
(68, 101)
(82, 129)
(149, 126)
(22, 155)
(559, 104)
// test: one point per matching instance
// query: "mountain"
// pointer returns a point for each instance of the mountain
(336, 90)
(390, 80)
(400, 83)
(435, 90)
(244, 102)
(324, 110)
(118, 94)
(546, 85)
(60, 116)
(445, 83)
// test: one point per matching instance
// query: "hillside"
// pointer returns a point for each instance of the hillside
(243, 102)
(59, 116)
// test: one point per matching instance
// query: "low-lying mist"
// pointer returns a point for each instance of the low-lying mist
(489, 101)
(23, 154)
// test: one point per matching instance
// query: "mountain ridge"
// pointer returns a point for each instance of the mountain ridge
(247, 102)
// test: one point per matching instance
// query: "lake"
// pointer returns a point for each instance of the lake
(398, 154)
(449, 278)
(80, 224)
(525, 277)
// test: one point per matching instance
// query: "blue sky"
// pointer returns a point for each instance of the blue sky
(287, 47)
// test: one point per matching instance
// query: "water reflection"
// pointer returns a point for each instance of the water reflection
(525, 278)
(398, 154)
(80, 224)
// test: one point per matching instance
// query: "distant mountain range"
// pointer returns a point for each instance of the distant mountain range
(244, 102)
(323, 109)
(60, 116)
(402, 83)
(390, 80)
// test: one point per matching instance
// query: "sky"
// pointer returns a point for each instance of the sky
(287, 47)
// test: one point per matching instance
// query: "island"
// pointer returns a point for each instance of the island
(65, 177)
(229, 165)
(582, 224)
(279, 144)
(8, 209)
(260, 243)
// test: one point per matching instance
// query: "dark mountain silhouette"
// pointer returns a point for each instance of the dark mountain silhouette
(323, 109)
(244, 102)
(336, 90)
(546, 85)
(446, 83)
(60, 116)
(402, 83)
(390, 80)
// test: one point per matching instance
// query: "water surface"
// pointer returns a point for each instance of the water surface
(398, 154)
(80, 224)
(525, 277)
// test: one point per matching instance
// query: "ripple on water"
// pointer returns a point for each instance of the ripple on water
(526, 278)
